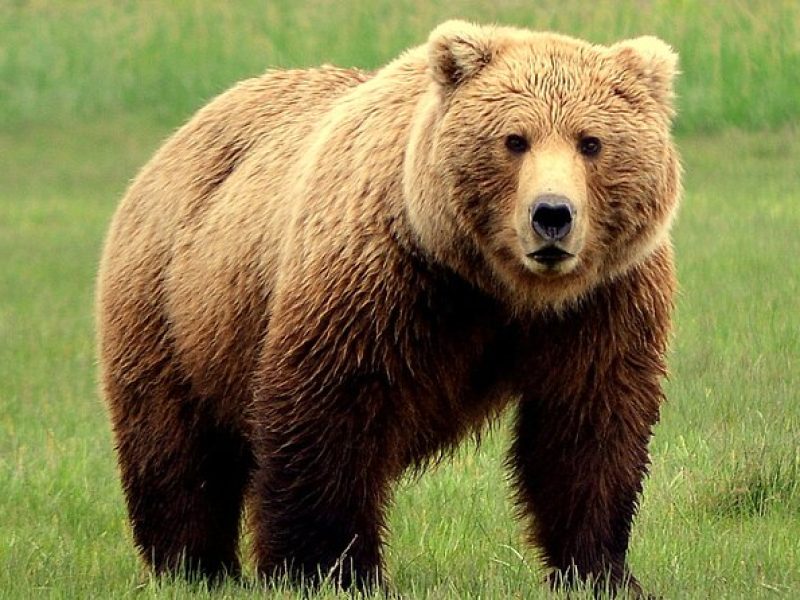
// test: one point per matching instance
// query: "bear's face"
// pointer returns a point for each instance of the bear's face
(546, 158)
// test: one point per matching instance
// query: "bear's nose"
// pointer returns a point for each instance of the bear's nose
(551, 217)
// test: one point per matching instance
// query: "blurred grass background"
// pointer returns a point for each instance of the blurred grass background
(85, 58)
(89, 88)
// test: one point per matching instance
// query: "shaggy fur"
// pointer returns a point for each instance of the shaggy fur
(325, 278)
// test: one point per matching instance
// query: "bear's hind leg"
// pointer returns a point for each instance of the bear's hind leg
(184, 479)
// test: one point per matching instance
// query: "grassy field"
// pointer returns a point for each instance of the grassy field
(741, 59)
(89, 89)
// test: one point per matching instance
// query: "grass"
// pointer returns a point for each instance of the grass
(720, 516)
(61, 59)
(88, 89)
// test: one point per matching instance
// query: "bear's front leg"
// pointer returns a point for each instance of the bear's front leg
(579, 480)
(593, 393)
(322, 481)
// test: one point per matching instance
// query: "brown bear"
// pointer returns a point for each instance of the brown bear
(329, 276)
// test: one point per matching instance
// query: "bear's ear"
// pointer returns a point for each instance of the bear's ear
(458, 50)
(652, 61)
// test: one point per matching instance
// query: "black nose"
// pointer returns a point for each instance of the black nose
(551, 217)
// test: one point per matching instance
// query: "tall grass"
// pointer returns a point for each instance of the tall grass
(85, 58)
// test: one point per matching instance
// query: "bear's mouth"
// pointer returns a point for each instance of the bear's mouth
(550, 255)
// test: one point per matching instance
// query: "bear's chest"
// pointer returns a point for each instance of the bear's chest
(449, 371)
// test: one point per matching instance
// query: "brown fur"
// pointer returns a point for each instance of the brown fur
(321, 281)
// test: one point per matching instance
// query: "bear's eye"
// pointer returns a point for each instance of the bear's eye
(516, 144)
(589, 146)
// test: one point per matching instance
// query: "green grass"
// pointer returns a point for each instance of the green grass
(721, 514)
(87, 91)
(61, 59)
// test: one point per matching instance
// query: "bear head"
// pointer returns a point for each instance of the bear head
(540, 166)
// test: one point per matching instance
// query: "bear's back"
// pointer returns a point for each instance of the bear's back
(259, 115)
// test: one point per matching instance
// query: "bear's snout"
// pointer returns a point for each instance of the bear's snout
(551, 217)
